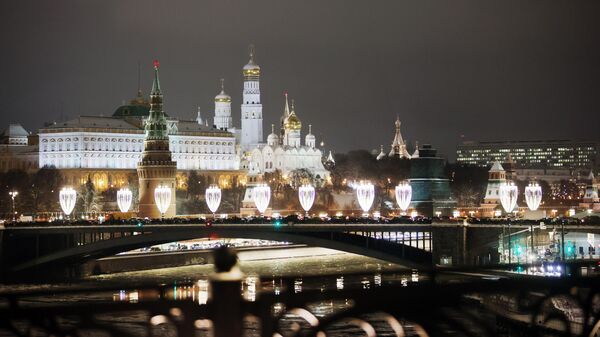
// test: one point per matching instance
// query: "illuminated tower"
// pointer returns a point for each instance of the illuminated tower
(223, 109)
(156, 167)
(252, 128)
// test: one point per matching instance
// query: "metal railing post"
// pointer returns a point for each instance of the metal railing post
(227, 300)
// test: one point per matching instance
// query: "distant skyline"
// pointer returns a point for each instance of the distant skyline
(450, 70)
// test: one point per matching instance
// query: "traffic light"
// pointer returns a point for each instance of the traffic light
(277, 223)
(208, 223)
(140, 224)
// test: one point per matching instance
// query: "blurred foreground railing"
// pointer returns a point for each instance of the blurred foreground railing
(458, 302)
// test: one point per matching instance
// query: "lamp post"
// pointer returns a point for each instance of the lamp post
(162, 199)
(67, 197)
(365, 193)
(124, 198)
(306, 194)
(213, 198)
(508, 197)
(403, 195)
(533, 198)
(13, 194)
(261, 195)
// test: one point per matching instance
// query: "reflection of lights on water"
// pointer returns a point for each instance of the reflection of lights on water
(134, 296)
(278, 309)
(404, 282)
(202, 291)
(415, 276)
(251, 288)
(297, 285)
(122, 295)
(365, 284)
(339, 283)
(277, 287)
(377, 280)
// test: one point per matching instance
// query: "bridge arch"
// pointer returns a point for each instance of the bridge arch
(411, 257)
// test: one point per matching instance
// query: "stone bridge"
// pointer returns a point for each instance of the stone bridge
(27, 251)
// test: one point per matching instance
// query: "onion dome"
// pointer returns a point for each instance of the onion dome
(222, 96)
(273, 138)
(251, 70)
(292, 122)
(381, 154)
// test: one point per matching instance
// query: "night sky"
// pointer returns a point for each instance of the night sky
(476, 69)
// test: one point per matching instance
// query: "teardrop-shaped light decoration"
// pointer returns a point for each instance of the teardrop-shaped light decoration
(162, 198)
(124, 198)
(403, 195)
(213, 197)
(533, 196)
(365, 193)
(508, 196)
(67, 197)
(306, 194)
(261, 195)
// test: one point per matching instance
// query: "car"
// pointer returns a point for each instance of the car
(155, 249)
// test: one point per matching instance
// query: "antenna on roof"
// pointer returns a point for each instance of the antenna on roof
(139, 77)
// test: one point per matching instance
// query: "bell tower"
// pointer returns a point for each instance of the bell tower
(252, 120)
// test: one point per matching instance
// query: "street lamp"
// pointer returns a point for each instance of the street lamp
(261, 195)
(162, 199)
(403, 195)
(124, 198)
(213, 198)
(13, 194)
(306, 194)
(533, 198)
(508, 197)
(67, 197)
(365, 193)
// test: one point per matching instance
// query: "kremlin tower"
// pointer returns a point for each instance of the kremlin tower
(156, 167)
(223, 119)
(252, 120)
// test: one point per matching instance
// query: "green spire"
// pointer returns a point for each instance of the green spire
(156, 83)
(156, 124)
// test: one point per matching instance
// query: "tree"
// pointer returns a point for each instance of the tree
(45, 187)
(88, 197)
(468, 183)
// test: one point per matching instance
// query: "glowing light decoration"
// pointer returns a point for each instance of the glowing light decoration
(365, 193)
(403, 195)
(213, 197)
(533, 196)
(261, 195)
(508, 196)
(124, 198)
(162, 198)
(67, 197)
(306, 194)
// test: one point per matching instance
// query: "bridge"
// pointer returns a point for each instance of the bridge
(26, 250)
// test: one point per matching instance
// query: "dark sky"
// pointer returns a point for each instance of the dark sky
(486, 70)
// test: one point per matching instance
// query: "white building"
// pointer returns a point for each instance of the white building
(287, 153)
(116, 142)
(16, 152)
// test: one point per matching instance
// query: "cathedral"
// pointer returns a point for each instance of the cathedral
(398, 147)
(285, 151)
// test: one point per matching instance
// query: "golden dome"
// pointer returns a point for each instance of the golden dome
(292, 122)
(222, 96)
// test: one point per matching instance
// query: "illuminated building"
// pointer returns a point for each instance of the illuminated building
(18, 149)
(286, 153)
(531, 154)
